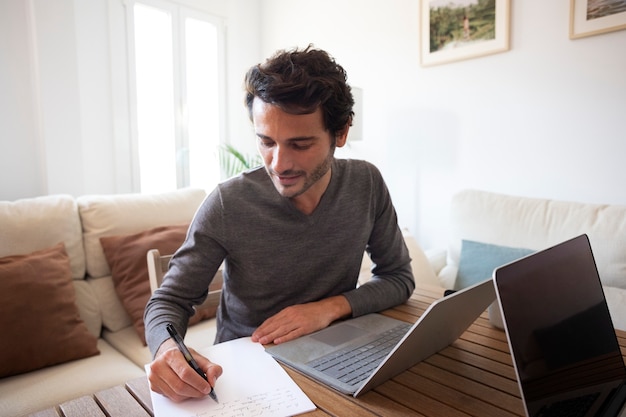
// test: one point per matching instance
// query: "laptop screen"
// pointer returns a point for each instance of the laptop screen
(557, 320)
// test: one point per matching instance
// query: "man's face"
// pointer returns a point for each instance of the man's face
(296, 149)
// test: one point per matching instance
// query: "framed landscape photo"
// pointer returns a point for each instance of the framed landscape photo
(452, 30)
(593, 17)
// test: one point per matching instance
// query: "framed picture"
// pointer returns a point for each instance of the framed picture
(453, 30)
(593, 17)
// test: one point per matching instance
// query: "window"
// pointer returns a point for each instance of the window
(177, 100)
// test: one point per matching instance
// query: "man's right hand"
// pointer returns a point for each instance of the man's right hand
(171, 375)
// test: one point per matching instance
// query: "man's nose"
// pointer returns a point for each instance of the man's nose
(281, 159)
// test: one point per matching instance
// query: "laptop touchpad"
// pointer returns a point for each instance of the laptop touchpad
(336, 335)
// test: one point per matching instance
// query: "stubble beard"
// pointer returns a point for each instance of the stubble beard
(309, 180)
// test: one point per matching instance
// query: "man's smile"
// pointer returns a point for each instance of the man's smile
(287, 179)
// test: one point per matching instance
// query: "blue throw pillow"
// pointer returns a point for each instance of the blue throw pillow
(478, 260)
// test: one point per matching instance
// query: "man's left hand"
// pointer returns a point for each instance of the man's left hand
(298, 320)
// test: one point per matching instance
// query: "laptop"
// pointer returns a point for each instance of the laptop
(355, 355)
(564, 348)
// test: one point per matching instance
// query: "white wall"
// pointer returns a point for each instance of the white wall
(545, 119)
(56, 119)
(22, 164)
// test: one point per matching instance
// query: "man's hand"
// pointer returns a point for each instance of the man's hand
(171, 375)
(298, 320)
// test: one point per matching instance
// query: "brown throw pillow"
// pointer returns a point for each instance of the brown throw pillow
(38, 311)
(126, 256)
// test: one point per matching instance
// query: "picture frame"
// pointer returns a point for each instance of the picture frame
(453, 30)
(587, 20)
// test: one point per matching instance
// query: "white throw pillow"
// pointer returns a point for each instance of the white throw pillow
(423, 271)
(32, 224)
(537, 224)
(122, 214)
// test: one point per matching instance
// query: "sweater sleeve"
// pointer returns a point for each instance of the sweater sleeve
(392, 280)
(186, 283)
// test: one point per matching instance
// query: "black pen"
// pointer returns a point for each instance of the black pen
(190, 360)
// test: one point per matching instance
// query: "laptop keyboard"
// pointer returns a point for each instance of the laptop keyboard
(353, 364)
(569, 408)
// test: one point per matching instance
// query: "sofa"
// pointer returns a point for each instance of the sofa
(74, 283)
(97, 282)
(75, 329)
(489, 229)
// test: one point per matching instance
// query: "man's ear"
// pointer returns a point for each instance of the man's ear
(342, 136)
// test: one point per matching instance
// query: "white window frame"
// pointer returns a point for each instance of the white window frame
(126, 128)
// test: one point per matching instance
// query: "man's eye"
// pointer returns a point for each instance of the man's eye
(266, 143)
(302, 146)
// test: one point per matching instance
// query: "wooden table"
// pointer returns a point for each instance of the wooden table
(472, 377)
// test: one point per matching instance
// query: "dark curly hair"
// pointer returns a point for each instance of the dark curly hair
(300, 81)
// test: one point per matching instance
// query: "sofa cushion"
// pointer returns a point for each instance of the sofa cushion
(38, 308)
(423, 271)
(198, 336)
(126, 256)
(540, 223)
(88, 305)
(114, 316)
(616, 300)
(478, 260)
(28, 393)
(38, 223)
(122, 214)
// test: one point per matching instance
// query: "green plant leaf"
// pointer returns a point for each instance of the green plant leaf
(233, 162)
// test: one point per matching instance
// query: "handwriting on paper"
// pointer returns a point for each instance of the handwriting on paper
(252, 384)
(276, 402)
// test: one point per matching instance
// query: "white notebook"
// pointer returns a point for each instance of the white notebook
(252, 384)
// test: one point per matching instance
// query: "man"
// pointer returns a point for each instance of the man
(292, 235)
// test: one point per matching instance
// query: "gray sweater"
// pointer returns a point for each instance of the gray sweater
(276, 256)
